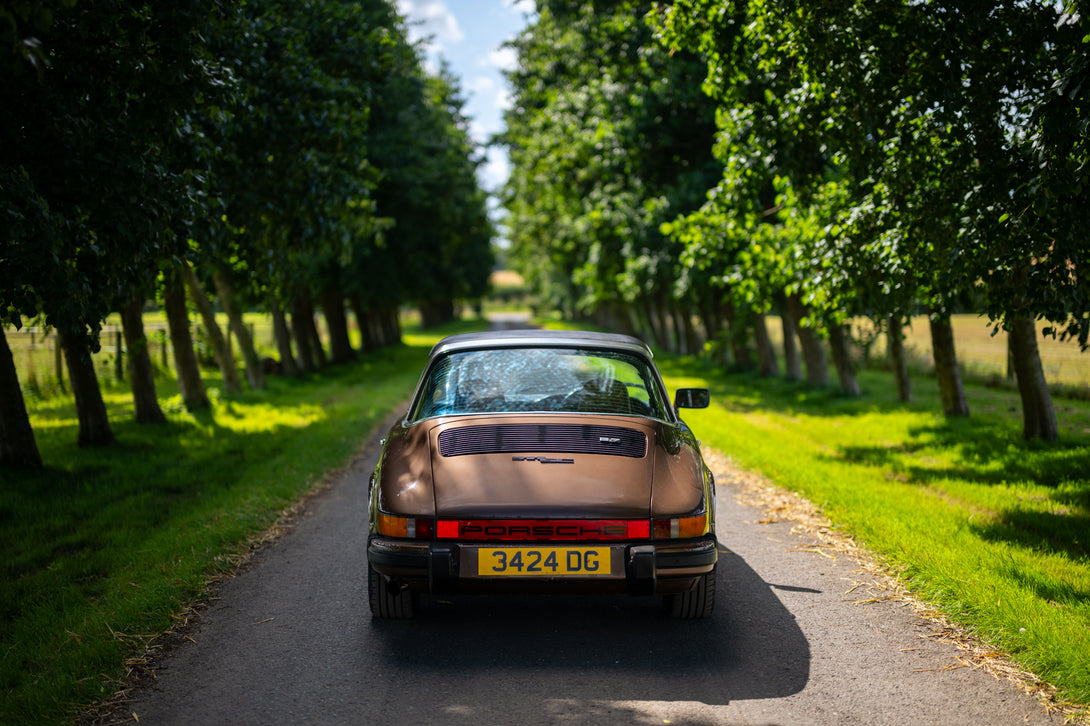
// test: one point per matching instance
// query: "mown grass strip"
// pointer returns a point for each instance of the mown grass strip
(993, 530)
(106, 546)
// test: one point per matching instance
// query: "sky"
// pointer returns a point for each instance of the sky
(469, 35)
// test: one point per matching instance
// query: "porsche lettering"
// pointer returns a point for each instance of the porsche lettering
(558, 531)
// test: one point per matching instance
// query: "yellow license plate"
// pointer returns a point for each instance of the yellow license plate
(543, 561)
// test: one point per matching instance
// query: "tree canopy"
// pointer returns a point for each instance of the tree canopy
(873, 159)
(286, 153)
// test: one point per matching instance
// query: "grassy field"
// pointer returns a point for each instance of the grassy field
(107, 547)
(980, 353)
(992, 530)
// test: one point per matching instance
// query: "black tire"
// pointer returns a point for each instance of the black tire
(696, 603)
(386, 603)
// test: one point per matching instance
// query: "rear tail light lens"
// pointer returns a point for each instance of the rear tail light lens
(404, 527)
(682, 527)
(544, 529)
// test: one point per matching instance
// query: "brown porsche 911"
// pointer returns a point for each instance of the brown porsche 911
(545, 462)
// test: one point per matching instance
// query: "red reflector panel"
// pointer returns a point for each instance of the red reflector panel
(544, 529)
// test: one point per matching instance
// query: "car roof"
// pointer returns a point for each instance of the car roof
(541, 339)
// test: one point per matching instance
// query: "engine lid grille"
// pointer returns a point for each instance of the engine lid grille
(551, 438)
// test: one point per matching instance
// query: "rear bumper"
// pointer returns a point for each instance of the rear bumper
(447, 568)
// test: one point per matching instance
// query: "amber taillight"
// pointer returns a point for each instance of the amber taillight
(683, 527)
(404, 527)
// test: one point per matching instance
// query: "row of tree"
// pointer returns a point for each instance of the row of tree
(288, 156)
(683, 169)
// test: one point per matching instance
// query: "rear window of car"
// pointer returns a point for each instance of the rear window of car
(540, 380)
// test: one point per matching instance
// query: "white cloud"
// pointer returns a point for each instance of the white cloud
(431, 19)
(504, 58)
(528, 7)
(482, 85)
(494, 172)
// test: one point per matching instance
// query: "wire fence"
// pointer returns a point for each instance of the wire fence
(39, 358)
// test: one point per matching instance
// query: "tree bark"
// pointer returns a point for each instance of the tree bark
(225, 288)
(94, 423)
(368, 341)
(895, 336)
(391, 325)
(283, 341)
(766, 352)
(141, 374)
(340, 347)
(951, 390)
(226, 361)
(792, 362)
(737, 337)
(663, 326)
(310, 327)
(813, 352)
(841, 347)
(18, 448)
(1038, 413)
(190, 383)
(300, 311)
(693, 344)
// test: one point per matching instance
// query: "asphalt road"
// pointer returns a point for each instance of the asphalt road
(291, 641)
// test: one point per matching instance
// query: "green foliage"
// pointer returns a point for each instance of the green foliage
(609, 137)
(949, 125)
(261, 140)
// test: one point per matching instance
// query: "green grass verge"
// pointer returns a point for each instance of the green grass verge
(106, 546)
(993, 530)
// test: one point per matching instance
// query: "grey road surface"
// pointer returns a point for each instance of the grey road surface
(291, 641)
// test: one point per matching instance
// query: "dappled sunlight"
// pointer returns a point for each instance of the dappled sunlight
(260, 417)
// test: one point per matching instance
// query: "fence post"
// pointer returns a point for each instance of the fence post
(58, 361)
(119, 363)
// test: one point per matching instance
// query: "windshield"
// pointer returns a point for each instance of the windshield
(540, 380)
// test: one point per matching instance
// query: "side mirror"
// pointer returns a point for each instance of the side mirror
(692, 398)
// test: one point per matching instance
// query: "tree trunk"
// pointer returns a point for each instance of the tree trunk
(714, 326)
(792, 362)
(951, 390)
(300, 310)
(94, 424)
(654, 336)
(310, 326)
(813, 352)
(391, 325)
(190, 383)
(737, 335)
(141, 374)
(841, 346)
(1038, 413)
(18, 449)
(225, 288)
(767, 364)
(895, 336)
(693, 344)
(368, 341)
(283, 341)
(226, 361)
(340, 347)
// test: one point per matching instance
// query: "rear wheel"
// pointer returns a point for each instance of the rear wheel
(696, 603)
(386, 602)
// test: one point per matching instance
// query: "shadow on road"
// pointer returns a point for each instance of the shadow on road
(609, 648)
